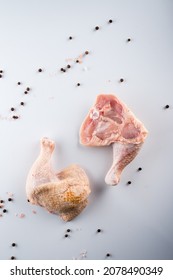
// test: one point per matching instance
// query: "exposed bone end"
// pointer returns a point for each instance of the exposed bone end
(112, 177)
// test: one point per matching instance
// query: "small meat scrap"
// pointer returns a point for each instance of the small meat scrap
(110, 121)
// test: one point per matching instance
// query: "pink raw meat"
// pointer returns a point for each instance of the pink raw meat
(110, 121)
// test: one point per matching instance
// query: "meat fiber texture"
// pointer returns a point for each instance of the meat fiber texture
(110, 121)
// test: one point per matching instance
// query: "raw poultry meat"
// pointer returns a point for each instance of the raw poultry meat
(110, 121)
(64, 193)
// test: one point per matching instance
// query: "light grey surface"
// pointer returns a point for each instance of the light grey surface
(136, 220)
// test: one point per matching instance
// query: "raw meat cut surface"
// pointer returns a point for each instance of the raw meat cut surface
(64, 193)
(110, 121)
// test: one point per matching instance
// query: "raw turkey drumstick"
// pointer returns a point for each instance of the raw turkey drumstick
(110, 121)
(64, 193)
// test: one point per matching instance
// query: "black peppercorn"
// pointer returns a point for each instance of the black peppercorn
(110, 21)
(28, 200)
(40, 70)
(66, 235)
(129, 183)
(4, 210)
(13, 244)
(86, 52)
(1, 201)
(128, 40)
(99, 230)
(68, 66)
(97, 28)
(78, 84)
(12, 109)
(13, 258)
(10, 199)
(70, 38)
(25, 92)
(77, 61)
(1, 71)
(15, 117)
(0, 76)
(68, 230)
(121, 80)
(22, 103)
(140, 168)
(28, 89)
(19, 83)
(108, 255)
(166, 106)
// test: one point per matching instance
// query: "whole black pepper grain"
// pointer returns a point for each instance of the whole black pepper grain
(140, 168)
(1, 71)
(10, 199)
(28, 200)
(12, 109)
(40, 70)
(66, 235)
(1, 201)
(78, 84)
(28, 89)
(0, 76)
(129, 183)
(68, 66)
(19, 83)
(13, 258)
(97, 27)
(77, 61)
(68, 230)
(25, 92)
(70, 37)
(128, 40)
(166, 106)
(121, 80)
(99, 230)
(13, 244)
(110, 21)
(64, 70)
(4, 210)
(86, 52)
(15, 117)
(22, 103)
(108, 255)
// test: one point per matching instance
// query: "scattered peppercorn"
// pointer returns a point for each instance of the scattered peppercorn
(13, 244)
(28, 200)
(1, 201)
(28, 89)
(77, 61)
(110, 21)
(78, 84)
(10, 199)
(40, 70)
(15, 117)
(25, 92)
(19, 83)
(4, 210)
(166, 106)
(0, 76)
(13, 258)
(108, 255)
(22, 103)
(99, 230)
(66, 235)
(129, 183)
(121, 80)
(97, 28)
(1, 71)
(68, 66)
(128, 40)
(86, 52)
(70, 38)
(140, 168)
(12, 109)
(68, 230)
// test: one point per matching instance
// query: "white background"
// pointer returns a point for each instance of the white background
(136, 220)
